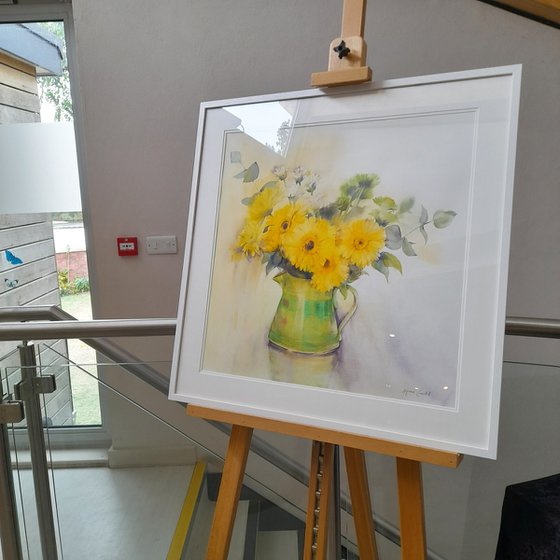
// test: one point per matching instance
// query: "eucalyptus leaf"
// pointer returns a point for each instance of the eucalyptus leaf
(424, 234)
(393, 237)
(246, 201)
(276, 258)
(251, 173)
(380, 267)
(424, 219)
(235, 157)
(442, 218)
(270, 266)
(406, 205)
(343, 289)
(390, 260)
(407, 248)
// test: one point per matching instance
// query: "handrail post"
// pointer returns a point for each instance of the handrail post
(9, 526)
(30, 396)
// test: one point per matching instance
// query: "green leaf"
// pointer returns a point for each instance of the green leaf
(407, 248)
(235, 157)
(246, 201)
(343, 289)
(380, 267)
(343, 203)
(390, 260)
(393, 237)
(360, 186)
(442, 218)
(268, 185)
(354, 272)
(424, 219)
(406, 205)
(328, 212)
(385, 217)
(385, 202)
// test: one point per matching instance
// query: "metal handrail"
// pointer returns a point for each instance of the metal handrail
(66, 326)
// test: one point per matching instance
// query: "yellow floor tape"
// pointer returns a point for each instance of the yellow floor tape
(187, 512)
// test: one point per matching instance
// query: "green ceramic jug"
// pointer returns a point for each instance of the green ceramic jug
(305, 320)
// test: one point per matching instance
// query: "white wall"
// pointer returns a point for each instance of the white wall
(144, 67)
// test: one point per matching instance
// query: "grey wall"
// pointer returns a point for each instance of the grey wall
(144, 67)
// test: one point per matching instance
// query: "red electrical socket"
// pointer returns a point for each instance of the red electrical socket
(127, 246)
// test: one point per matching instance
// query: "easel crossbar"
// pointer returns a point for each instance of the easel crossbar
(381, 446)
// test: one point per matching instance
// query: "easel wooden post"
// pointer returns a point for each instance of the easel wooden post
(408, 457)
(347, 53)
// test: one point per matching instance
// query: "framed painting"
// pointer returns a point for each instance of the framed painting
(346, 258)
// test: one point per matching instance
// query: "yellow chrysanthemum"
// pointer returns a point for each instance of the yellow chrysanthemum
(263, 202)
(332, 273)
(280, 223)
(248, 240)
(309, 245)
(361, 242)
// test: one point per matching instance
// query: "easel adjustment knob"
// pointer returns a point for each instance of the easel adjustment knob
(341, 49)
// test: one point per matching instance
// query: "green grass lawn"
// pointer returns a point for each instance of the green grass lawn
(85, 392)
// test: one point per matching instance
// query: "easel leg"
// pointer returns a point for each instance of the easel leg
(411, 503)
(228, 496)
(361, 502)
(320, 490)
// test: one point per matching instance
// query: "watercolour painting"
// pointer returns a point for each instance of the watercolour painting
(347, 256)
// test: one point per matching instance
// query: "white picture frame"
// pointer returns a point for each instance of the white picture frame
(420, 360)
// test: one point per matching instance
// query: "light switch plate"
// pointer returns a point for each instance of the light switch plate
(161, 244)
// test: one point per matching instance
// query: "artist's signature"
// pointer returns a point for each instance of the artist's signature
(416, 392)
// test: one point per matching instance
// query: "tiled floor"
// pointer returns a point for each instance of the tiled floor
(109, 514)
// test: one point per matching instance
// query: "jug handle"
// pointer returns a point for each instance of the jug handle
(351, 311)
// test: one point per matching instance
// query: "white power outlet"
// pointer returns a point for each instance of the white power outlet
(161, 244)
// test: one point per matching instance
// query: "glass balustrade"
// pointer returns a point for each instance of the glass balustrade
(121, 487)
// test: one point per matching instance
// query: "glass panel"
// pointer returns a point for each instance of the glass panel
(42, 245)
(137, 469)
(21, 465)
(114, 489)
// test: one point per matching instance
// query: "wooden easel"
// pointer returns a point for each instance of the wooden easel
(347, 65)
(347, 53)
(409, 476)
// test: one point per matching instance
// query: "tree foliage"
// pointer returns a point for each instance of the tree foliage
(56, 89)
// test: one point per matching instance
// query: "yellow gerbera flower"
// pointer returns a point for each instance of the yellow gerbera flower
(280, 223)
(332, 273)
(309, 245)
(248, 240)
(361, 241)
(263, 202)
